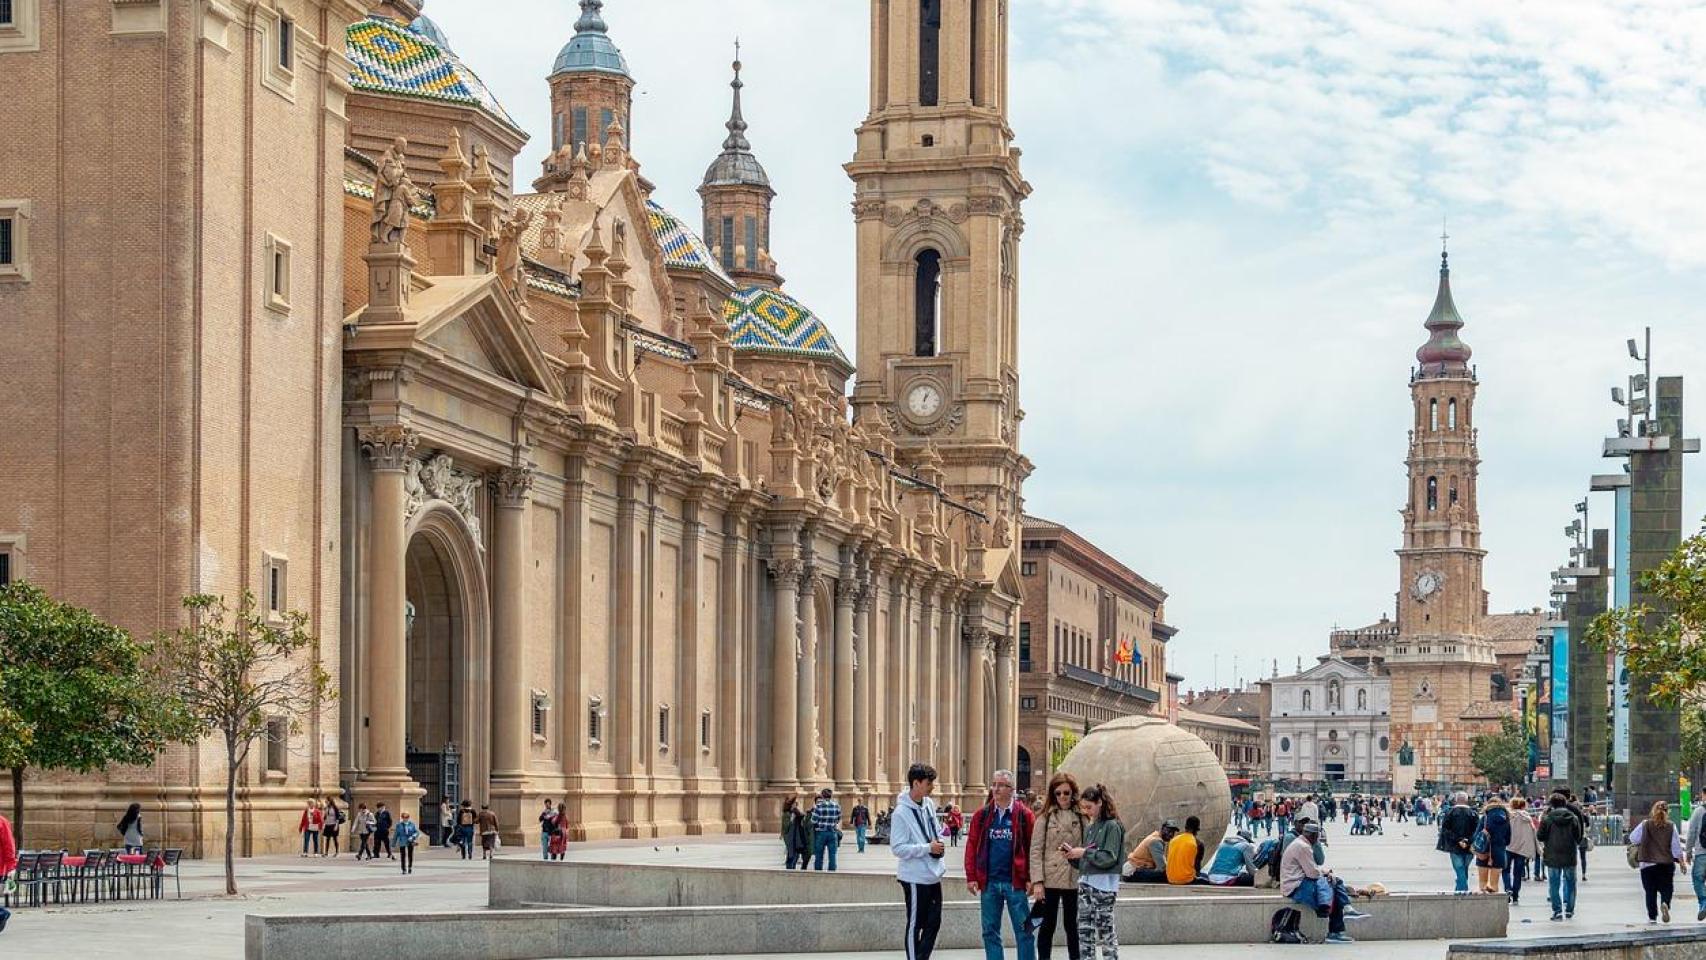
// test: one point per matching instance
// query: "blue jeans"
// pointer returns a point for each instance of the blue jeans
(821, 841)
(993, 899)
(1460, 867)
(1284, 824)
(544, 846)
(310, 838)
(1516, 867)
(1564, 877)
(859, 834)
(1698, 874)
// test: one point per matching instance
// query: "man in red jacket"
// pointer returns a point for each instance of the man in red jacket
(8, 862)
(997, 870)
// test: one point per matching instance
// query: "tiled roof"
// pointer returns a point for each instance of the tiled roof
(762, 320)
(682, 248)
(387, 57)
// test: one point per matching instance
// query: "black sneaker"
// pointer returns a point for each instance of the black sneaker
(1557, 916)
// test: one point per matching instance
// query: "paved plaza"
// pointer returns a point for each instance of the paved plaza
(206, 924)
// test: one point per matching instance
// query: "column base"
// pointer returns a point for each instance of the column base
(397, 792)
(517, 808)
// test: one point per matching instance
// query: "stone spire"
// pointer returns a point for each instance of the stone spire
(737, 123)
(1444, 352)
(736, 166)
(736, 195)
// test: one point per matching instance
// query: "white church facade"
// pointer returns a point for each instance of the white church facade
(1330, 722)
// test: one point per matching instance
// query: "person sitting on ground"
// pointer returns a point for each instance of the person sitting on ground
(1309, 884)
(1184, 855)
(1234, 863)
(1148, 860)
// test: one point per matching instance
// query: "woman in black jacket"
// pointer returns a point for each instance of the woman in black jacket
(796, 834)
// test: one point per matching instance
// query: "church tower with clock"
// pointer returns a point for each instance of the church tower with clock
(1442, 664)
(936, 201)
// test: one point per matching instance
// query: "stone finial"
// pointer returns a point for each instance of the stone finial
(393, 194)
(579, 181)
(551, 232)
(615, 155)
(451, 191)
(482, 180)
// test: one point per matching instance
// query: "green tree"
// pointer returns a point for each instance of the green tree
(1062, 747)
(1501, 757)
(81, 693)
(1661, 642)
(234, 671)
(1693, 739)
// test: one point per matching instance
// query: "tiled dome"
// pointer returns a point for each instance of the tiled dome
(413, 61)
(681, 246)
(762, 320)
(591, 50)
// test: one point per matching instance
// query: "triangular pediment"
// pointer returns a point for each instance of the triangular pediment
(1334, 667)
(460, 339)
(470, 321)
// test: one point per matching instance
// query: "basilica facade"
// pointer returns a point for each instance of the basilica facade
(581, 503)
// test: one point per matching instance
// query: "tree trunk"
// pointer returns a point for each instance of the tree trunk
(230, 819)
(18, 806)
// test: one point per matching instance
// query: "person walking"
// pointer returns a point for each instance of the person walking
(333, 817)
(466, 820)
(796, 834)
(560, 833)
(313, 818)
(1658, 851)
(381, 831)
(1524, 848)
(547, 829)
(446, 825)
(8, 864)
(488, 824)
(1053, 880)
(408, 834)
(955, 821)
(998, 853)
(915, 836)
(1457, 828)
(1696, 846)
(1097, 861)
(1492, 841)
(1184, 855)
(826, 829)
(1586, 844)
(860, 818)
(1300, 881)
(1560, 835)
(1282, 815)
(363, 828)
(130, 828)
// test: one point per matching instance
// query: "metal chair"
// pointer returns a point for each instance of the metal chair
(48, 871)
(173, 859)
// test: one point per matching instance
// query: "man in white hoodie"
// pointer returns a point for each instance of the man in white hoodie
(915, 836)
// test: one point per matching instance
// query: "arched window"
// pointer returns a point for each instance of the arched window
(1362, 699)
(1453, 491)
(1308, 699)
(929, 51)
(1433, 415)
(1022, 771)
(927, 302)
(1451, 415)
(1433, 494)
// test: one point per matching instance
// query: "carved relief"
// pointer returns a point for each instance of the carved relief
(393, 194)
(438, 479)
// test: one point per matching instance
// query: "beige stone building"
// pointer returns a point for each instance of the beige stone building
(579, 504)
(1082, 608)
(1237, 744)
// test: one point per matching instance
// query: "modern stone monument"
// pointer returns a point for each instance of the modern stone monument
(1156, 772)
(1588, 678)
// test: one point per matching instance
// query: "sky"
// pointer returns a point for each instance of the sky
(1231, 247)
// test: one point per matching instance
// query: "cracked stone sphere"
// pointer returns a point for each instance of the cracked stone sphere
(1155, 772)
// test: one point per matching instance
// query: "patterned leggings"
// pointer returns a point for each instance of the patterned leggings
(1096, 935)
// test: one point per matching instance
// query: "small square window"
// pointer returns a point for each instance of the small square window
(14, 239)
(277, 274)
(278, 746)
(6, 14)
(1028, 568)
(278, 69)
(275, 586)
(594, 722)
(541, 715)
(20, 25)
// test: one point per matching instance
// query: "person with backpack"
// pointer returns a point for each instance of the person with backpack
(1657, 849)
(1053, 880)
(1234, 863)
(364, 832)
(1457, 829)
(1492, 840)
(1097, 861)
(1523, 849)
(1282, 815)
(466, 820)
(381, 831)
(915, 836)
(997, 864)
(1306, 883)
(1560, 835)
(407, 836)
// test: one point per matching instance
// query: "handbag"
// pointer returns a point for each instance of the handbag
(1632, 853)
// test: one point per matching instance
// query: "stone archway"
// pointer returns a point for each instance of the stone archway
(448, 706)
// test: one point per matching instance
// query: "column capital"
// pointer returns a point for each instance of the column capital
(389, 445)
(513, 485)
(867, 595)
(1005, 647)
(979, 639)
(788, 571)
(847, 592)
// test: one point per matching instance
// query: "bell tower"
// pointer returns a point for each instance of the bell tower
(1441, 662)
(937, 192)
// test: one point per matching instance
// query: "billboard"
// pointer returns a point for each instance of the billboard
(1560, 702)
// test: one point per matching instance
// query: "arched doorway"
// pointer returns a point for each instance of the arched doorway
(1022, 774)
(447, 713)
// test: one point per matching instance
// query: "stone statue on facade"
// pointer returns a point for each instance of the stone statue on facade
(393, 194)
(509, 268)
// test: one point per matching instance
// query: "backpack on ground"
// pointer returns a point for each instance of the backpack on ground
(1266, 851)
(1286, 926)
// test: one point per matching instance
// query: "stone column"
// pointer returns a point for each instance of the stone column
(1006, 703)
(806, 718)
(895, 705)
(924, 689)
(949, 723)
(977, 640)
(846, 593)
(863, 735)
(511, 726)
(391, 447)
(785, 652)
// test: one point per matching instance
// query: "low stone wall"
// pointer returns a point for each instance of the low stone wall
(797, 929)
(1688, 944)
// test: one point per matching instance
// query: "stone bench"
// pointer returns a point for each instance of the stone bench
(1685, 944)
(548, 934)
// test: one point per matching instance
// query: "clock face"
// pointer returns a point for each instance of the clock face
(1427, 584)
(924, 401)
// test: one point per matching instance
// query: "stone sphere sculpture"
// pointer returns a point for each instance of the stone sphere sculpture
(1155, 772)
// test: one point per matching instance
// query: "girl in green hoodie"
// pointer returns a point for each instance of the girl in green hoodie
(1098, 866)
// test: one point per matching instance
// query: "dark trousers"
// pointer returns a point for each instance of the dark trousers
(381, 839)
(1657, 883)
(5, 917)
(406, 857)
(923, 918)
(1147, 876)
(1054, 903)
(1516, 867)
(366, 848)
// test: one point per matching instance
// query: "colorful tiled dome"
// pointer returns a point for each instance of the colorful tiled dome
(591, 50)
(682, 248)
(387, 57)
(762, 320)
